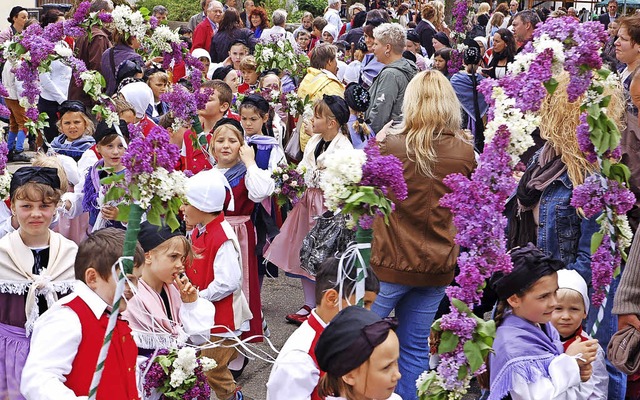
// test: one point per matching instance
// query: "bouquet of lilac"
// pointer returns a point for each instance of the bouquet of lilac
(290, 185)
(5, 175)
(177, 374)
(360, 184)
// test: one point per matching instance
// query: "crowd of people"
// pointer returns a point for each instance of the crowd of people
(378, 75)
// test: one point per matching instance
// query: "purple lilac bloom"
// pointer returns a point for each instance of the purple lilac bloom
(181, 102)
(82, 12)
(4, 151)
(584, 140)
(603, 263)
(384, 172)
(105, 17)
(449, 366)
(153, 22)
(145, 154)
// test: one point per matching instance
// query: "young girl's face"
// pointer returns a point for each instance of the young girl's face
(270, 81)
(158, 86)
(250, 77)
(377, 378)
(569, 312)
(411, 46)
(168, 263)
(232, 80)
(252, 121)
(128, 115)
(112, 153)
(226, 148)
(73, 125)
(205, 65)
(303, 41)
(538, 303)
(327, 38)
(237, 53)
(440, 63)
(306, 22)
(34, 217)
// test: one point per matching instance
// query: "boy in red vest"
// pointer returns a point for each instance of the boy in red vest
(66, 339)
(194, 159)
(295, 374)
(218, 273)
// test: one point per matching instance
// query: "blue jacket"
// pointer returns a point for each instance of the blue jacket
(562, 233)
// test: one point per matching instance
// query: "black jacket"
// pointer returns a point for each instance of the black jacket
(426, 33)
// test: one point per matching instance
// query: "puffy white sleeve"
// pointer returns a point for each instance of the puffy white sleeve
(276, 157)
(563, 382)
(197, 317)
(50, 360)
(599, 382)
(227, 272)
(293, 376)
(259, 183)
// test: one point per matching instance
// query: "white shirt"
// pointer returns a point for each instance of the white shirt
(295, 375)
(333, 17)
(55, 83)
(563, 382)
(54, 344)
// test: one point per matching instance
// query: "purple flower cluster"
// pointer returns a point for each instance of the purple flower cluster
(597, 193)
(584, 140)
(459, 323)
(455, 63)
(583, 42)
(459, 14)
(288, 190)
(181, 102)
(145, 154)
(153, 22)
(201, 389)
(4, 151)
(383, 172)
(155, 377)
(449, 366)
(528, 87)
(603, 262)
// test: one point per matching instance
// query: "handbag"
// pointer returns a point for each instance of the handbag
(328, 237)
(292, 149)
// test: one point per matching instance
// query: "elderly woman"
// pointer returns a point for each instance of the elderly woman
(387, 91)
(415, 255)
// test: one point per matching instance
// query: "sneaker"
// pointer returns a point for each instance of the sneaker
(21, 157)
(297, 318)
(10, 155)
(265, 328)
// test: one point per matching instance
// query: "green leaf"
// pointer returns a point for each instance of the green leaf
(153, 216)
(596, 240)
(460, 305)
(474, 355)
(448, 342)
(487, 329)
(172, 221)
(436, 325)
(115, 193)
(123, 212)
(462, 372)
(551, 85)
(135, 191)
(113, 178)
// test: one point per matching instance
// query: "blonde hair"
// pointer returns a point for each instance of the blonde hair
(43, 160)
(179, 242)
(483, 8)
(559, 122)
(563, 294)
(430, 108)
(89, 128)
(322, 110)
(439, 19)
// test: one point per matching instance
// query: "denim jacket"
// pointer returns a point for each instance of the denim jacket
(562, 233)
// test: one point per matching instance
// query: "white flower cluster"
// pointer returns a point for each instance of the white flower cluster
(625, 236)
(183, 366)
(5, 183)
(523, 61)
(208, 363)
(129, 22)
(267, 54)
(162, 38)
(162, 184)
(520, 125)
(63, 50)
(342, 169)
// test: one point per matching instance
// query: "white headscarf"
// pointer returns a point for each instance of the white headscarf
(139, 95)
(332, 30)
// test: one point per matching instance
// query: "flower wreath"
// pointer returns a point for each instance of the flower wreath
(478, 203)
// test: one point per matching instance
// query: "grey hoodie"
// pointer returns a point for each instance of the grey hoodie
(387, 93)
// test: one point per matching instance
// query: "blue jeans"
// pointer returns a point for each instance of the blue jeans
(608, 327)
(16, 141)
(415, 308)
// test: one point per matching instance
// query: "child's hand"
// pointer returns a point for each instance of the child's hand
(585, 371)
(308, 127)
(109, 212)
(588, 349)
(247, 155)
(188, 292)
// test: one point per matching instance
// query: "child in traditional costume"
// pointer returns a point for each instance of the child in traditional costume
(217, 271)
(67, 339)
(359, 353)
(331, 113)
(572, 307)
(358, 100)
(295, 373)
(36, 265)
(111, 142)
(528, 360)
(76, 130)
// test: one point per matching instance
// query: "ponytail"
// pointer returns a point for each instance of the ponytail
(361, 127)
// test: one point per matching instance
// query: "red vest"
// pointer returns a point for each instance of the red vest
(201, 272)
(195, 159)
(317, 327)
(119, 374)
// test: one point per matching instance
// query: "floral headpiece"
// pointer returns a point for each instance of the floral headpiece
(129, 22)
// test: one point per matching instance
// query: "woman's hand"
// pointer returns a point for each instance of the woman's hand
(188, 292)
(247, 155)
(628, 319)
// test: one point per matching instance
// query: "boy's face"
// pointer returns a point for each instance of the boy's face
(213, 109)
(105, 288)
(250, 77)
(568, 314)
(193, 216)
(331, 307)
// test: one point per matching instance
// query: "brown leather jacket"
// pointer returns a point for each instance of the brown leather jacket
(417, 247)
